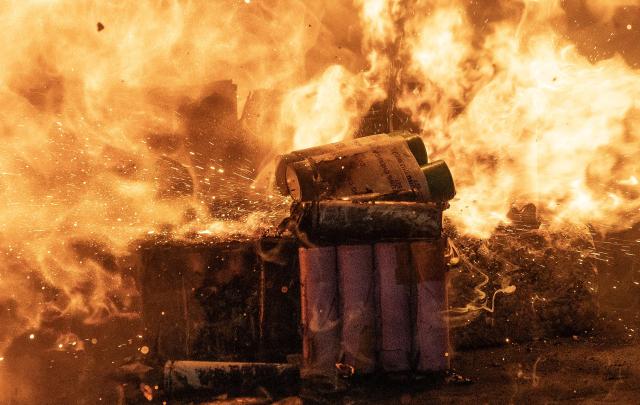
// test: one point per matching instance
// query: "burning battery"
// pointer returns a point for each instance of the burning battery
(233, 378)
(382, 165)
(337, 221)
(347, 149)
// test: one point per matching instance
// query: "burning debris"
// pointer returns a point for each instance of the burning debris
(534, 282)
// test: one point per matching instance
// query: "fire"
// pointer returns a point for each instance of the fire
(524, 116)
(96, 96)
(96, 149)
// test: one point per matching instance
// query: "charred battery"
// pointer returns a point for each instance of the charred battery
(233, 378)
(326, 221)
(386, 169)
(347, 148)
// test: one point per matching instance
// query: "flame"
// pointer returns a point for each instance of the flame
(523, 115)
(102, 122)
(107, 123)
(327, 109)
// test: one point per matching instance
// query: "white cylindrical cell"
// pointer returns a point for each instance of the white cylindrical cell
(357, 296)
(393, 276)
(319, 311)
(432, 326)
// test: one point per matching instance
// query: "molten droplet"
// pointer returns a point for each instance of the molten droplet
(144, 350)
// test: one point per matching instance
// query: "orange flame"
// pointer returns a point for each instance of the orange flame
(94, 121)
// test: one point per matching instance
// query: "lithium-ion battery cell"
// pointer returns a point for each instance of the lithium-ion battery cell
(347, 148)
(432, 328)
(357, 297)
(386, 166)
(393, 280)
(319, 310)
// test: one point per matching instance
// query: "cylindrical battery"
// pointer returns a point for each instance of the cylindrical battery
(431, 343)
(440, 181)
(339, 221)
(414, 143)
(319, 310)
(393, 280)
(357, 296)
(234, 378)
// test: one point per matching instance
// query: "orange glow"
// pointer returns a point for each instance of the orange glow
(96, 96)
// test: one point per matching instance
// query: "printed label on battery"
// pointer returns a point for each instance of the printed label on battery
(386, 167)
(343, 147)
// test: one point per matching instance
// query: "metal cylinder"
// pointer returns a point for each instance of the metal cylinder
(357, 296)
(440, 181)
(344, 221)
(233, 378)
(386, 166)
(414, 143)
(319, 310)
(393, 280)
(431, 342)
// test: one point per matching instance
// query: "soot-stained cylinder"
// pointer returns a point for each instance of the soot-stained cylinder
(357, 294)
(233, 378)
(349, 148)
(439, 180)
(320, 311)
(393, 280)
(385, 165)
(343, 221)
(432, 328)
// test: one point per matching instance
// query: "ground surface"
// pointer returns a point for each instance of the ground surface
(563, 370)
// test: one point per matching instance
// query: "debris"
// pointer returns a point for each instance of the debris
(555, 280)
